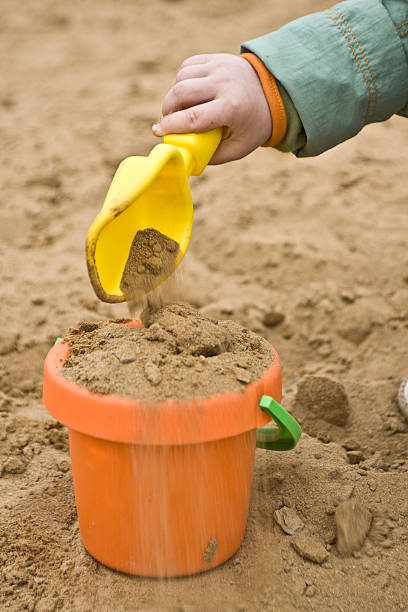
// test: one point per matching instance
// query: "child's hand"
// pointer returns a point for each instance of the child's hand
(218, 90)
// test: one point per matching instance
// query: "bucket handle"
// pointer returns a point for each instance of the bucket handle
(281, 438)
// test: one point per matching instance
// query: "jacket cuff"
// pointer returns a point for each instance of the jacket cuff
(273, 97)
(342, 68)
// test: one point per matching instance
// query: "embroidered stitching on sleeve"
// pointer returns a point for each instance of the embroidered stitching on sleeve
(374, 84)
(403, 33)
(401, 25)
(358, 64)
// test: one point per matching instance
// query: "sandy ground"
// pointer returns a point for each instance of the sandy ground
(320, 241)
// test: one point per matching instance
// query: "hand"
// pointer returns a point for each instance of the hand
(218, 90)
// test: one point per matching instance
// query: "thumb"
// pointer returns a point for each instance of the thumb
(200, 118)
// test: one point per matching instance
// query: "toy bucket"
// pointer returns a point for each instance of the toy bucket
(162, 489)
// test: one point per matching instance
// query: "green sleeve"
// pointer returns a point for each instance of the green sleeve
(338, 71)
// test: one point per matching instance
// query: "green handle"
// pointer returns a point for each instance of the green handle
(281, 438)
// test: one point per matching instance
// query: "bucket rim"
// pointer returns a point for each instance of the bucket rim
(167, 422)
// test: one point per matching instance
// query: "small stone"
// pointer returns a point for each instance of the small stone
(273, 318)
(64, 466)
(141, 269)
(152, 373)
(308, 548)
(288, 520)
(14, 465)
(22, 440)
(38, 301)
(324, 350)
(351, 445)
(210, 550)
(353, 520)
(355, 456)
(348, 297)
(242, 375)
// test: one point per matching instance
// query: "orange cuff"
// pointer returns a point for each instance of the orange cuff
(273, 97)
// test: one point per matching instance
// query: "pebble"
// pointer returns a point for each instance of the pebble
(353, 520)
(152, 373)
(309, 548)
(355, 456)
(348, 297)
(242, 375)
(288, 520)
(22, 440)
(63, 466)
(273, 318)
(351, 444)
(14, 465)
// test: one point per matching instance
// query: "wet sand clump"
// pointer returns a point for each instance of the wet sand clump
(152, 256)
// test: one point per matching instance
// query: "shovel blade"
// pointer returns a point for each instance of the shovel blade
(146, 192)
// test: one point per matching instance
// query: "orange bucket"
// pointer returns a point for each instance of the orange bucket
(162, 489)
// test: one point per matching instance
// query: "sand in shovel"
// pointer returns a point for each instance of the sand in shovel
(152, 255)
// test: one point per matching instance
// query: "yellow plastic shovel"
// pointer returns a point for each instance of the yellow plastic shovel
(146, 192)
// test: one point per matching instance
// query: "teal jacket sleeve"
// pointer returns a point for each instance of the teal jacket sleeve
(342, 68)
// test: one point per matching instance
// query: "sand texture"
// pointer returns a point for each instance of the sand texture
(152, 257)
(310, 254)
(182, 355)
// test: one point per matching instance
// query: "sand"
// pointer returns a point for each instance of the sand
(182, 355)
(151, 259)
(316, 247)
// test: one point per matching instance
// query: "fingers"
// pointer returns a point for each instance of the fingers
(191, 72)
(196, 59)
(188, 93)
(200, 118)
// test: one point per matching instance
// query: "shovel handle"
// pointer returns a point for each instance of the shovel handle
(200, 146)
